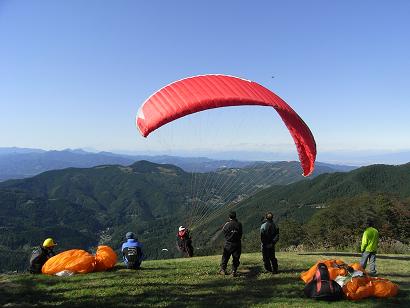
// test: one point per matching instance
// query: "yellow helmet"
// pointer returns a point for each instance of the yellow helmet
(49, 242)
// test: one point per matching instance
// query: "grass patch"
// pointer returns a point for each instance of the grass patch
(194, 282)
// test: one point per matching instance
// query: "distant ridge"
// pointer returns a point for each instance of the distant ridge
(84, 206)
(17, 163)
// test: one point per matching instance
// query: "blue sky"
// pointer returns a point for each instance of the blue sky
(74, 73)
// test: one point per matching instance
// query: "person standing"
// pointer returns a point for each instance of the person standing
(370, 242)
(40, 255)
(269, 237)
(132, 254)
(232, 231)
(184, 241)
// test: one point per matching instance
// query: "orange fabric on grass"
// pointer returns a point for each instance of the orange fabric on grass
(80, 261)
(363, 287)
(358, 287)
(334, 271)
(74, 260)
(105, 258)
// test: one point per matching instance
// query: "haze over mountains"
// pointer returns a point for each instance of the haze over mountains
(16, 163)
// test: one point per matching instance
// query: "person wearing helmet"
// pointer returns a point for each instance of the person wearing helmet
(132, 253)
(184, 241)
(41, 254)
(269, 237)
(232, 231)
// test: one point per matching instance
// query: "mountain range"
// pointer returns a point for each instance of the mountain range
(83, 207)
(17, 163)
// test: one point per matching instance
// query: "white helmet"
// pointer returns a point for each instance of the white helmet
(181, 228)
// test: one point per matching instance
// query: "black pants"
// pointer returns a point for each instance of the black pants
(189, 249)
(35, 268)
(269, 259)
(133, 265)
(234, 250)
(186, 248)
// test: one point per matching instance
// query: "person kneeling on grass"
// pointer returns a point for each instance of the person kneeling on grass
(132, 252)
(40, 255)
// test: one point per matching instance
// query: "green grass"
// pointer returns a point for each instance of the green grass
(194, 283)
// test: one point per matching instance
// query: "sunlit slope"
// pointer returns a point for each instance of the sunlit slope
(192, 283)
(350, 197)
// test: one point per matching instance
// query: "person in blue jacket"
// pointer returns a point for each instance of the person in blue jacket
(132, 252)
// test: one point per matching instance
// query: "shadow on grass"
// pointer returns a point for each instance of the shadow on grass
(122, 267)
(292, 271)
(252, 287)
(347, 254)
(20, 292)
(242, 291)
(399, 275)
(249, 288)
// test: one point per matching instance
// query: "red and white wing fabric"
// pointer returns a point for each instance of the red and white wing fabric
(204, 92)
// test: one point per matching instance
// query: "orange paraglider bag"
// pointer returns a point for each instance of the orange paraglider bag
(357, 267)
(74, 260)
(335, 268)
(384, 287)
(358, 288)
(362, 287)
(105, 258)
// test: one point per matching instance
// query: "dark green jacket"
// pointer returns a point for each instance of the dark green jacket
(269, 233)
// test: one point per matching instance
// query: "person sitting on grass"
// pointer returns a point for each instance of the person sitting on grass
(132, 253)
(41, 254)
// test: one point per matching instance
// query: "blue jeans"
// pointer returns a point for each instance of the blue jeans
(371, 257)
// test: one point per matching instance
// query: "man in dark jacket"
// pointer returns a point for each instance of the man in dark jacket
(40, 255)
(132, 252)
(269, 237)
(232, 231)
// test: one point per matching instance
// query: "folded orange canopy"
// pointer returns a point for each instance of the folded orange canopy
(105, 258)
(335, 268)
(358, 287)
(80, 261)
(363, 287)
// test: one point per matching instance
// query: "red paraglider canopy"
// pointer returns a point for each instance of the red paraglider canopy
(204, 92)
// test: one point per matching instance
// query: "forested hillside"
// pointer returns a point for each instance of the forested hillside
(83, 207)
(330, 210)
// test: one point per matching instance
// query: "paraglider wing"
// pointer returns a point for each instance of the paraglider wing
(199, 93)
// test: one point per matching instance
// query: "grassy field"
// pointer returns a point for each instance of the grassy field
(194, 283)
